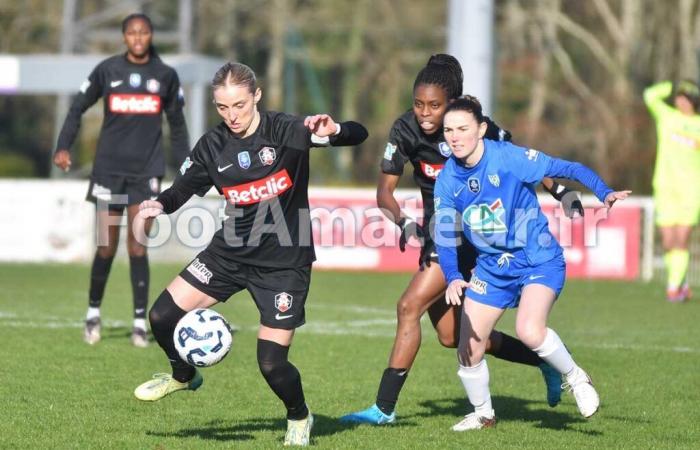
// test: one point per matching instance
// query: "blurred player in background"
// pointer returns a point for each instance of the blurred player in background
(676, 175)
(260, 162)
(136, 87)
(416, 137)
(486, 189)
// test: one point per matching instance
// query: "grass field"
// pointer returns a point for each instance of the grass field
(57, 392)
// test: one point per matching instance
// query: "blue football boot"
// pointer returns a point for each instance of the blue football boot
(553, 380)
(372, 416)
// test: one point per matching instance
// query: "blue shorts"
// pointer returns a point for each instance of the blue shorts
(498, 280)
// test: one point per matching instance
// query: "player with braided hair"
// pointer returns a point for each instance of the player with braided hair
(417, 137)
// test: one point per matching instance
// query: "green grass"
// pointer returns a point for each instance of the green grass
(57, 392)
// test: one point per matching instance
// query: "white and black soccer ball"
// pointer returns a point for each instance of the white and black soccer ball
(202, 337)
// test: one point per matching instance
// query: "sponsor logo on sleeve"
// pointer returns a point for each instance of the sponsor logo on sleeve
(84, 86)
(474, 184)
(389, 151)
(244, 160)
(444, 149)
(152, 86)
(154, 184)
(135, 80)
(283, 301)
(532, 154)
(134, 104)
(267, 156)
(181, 93)
(200, 271)
(258, 190)
(431, 170)
(186, 164)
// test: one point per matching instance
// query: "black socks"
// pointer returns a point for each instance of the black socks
(389, 389)
(138, 266)
(164, 316)
(282, 377)
(98, 279)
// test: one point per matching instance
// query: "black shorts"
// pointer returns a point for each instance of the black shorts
(119, 191)
(279, 293)
(466, 256)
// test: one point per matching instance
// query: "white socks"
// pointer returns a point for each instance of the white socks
(92, 313)
(555, 353)
(476, 382)
(140, 323)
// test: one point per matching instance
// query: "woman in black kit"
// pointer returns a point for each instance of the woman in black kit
(136, 87)
(259, 161)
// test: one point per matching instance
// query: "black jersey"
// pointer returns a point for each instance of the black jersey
(134, 96)
(426, 152)
(264, 178)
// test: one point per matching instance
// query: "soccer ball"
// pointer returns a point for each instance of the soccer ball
(202, 337)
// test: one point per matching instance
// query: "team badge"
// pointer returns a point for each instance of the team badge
(283, 301)
(267, 156)
(152, 86)
(244, 160)
(474, 185)
(186, 164)
(135, 80)
(495, 180)
(444, 149)
(532, 154)
(389, 151)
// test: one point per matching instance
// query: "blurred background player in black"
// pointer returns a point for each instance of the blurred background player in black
(416, 137)
(258, 160)
(136, 87)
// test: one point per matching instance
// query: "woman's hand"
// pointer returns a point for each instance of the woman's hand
(454, 291)
(150, 208)
(62, 159)
(322, 125)
(612, 197)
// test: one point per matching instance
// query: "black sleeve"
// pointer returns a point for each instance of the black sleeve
(351, 133)
(174, 104)
(290, 131)
(193, 178)
(395, 152)
(90, 92)
(495, 133)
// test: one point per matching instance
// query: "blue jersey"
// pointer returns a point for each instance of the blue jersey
(495, 205)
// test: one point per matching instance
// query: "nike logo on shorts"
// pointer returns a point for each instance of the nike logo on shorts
(115, 83)
(221, 169)
(279, 317)
(534, 277)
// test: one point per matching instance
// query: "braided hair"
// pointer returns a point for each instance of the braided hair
(442, 70)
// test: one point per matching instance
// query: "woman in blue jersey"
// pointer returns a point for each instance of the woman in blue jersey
(488, 186)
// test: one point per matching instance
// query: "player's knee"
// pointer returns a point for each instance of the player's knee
(530, 334)
(447, 340)
(408, 308)
(272, 358)
(106, 251)
(162, 309)
(135, 249)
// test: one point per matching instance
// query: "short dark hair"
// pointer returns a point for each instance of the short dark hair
(442, 70)
(130, 17)
(467, 103)
(234, 73)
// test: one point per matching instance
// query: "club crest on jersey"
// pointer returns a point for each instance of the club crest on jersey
(244, 160)
(474, 185)
(283, 301)
(389, 151)
(152, 86)
(495, 180)
(532, 154)
(135, 80)
(486, 218)
(267, 156)
(186, 164)
(444, 149)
